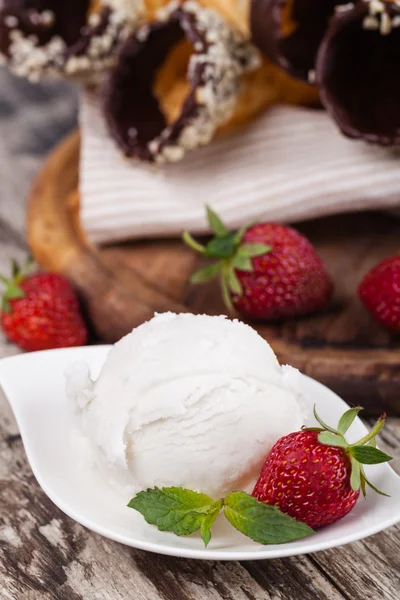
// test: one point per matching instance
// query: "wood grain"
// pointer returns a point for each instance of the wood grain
(123, 285)
(44, 555)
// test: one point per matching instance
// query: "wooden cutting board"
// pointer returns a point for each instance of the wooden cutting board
(123, 285)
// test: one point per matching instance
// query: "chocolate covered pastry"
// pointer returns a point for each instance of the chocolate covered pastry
(351, 50)
(357, 71)
(148, 115)
(289, 32)
(51, 38)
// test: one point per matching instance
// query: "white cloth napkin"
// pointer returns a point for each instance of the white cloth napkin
(290, 164)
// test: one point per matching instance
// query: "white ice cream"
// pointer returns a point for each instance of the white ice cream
(191, 401)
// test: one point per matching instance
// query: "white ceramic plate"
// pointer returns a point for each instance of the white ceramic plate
(34, 385)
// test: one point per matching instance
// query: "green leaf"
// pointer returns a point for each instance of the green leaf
(332, 439)
(15, 268)
(240, 233)
(221, 247)
(242, 263)
(346, 420)
(366, 481)
(216, 224)
(233, 282)
(5, 305)
(320, 421)
(14, 291)
(3, 279)
(192, 243)
(208, 521)
(252, 250)
(226, 296)
(363, 483)
(206, 273)
(262, 523)
(355, 479)
(367, 455)
(172, 509)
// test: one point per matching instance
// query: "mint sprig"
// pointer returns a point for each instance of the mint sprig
(184, 512)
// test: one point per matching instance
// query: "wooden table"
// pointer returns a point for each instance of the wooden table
(44, 555)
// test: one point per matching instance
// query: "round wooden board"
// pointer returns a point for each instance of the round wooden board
(123, 285)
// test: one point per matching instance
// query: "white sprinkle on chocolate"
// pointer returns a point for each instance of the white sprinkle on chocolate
(311, 76)
(386, 24)
(370, 23)
(220, 56)
(28, 58)
(11, 21)
(376, 7)
(344, 7)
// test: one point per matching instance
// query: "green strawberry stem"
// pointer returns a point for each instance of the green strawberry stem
(373, 433)
(231, 254)
(12, 285)
(362, 452)
(191, 242)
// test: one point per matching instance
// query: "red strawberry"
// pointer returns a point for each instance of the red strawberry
(41, 311)
(268, 271)
(380, 292)
(315, 476)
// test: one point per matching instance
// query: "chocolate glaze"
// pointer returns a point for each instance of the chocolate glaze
(70, 17)
(296, 52)
(132, 111)
(358, 74)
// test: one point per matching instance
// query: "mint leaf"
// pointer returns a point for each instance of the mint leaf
(346, 420)
(216, 224)
(208, 521)
(368, 455)
(221, 247)
(332, 439)
(262, 523)
(252, 250)
(173, 509)
(206, 273)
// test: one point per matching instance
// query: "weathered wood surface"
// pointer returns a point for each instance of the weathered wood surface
(44, 555)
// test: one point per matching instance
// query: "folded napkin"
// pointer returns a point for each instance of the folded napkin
(289, 165)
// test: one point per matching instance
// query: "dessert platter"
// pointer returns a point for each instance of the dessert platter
(193, 428)
(162, 227)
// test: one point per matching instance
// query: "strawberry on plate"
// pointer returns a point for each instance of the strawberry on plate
(41, 311)
(315, 476)
(380, 293)
(267, 271)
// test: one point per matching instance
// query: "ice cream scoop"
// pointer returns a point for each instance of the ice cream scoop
(184, 400)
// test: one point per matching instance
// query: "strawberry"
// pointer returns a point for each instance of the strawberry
(41, 311)
(267, 271)
(315, 476)
(380, 292)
